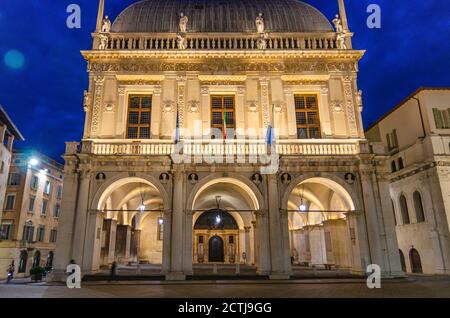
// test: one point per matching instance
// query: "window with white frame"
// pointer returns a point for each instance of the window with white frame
(6, 231)
(14, 179)
(47, 187)
(53, 235)
(31, 204)
(44, 207)
(28, 232)
(441, 118)
(59, 192)
(57, 210)
(34, 184)
(40, 234)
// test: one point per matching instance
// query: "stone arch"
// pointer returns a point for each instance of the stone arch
(118, 180)
(249, 187)
(334, 182)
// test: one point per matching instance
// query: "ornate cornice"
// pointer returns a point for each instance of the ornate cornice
(222, 66)
(353, 55)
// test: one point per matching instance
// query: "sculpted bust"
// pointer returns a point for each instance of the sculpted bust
(259, 24)
(183, 23)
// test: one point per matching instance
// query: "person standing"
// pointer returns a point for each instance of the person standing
(112, 274)
(10, 271)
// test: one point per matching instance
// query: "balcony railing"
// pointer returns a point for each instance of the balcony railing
(219, 147)
(218, 41)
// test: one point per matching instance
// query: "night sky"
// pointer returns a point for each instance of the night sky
(43, 75)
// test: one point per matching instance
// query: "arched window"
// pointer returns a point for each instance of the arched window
(402, 260)
(393, 211)
(418, 206)
(416, 264)
(23, 261)
(400, 164)
(393, 166)
(404, 210)
(49, 264)
(36, 259)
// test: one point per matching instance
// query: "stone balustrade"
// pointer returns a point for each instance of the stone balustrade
(295, 41)
(220, 147)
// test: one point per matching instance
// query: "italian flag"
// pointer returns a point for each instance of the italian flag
(224, 124)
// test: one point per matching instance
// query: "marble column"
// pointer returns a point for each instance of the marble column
(136, 245)
(176, 257)
(188, 243)
(247, 245)
(206, 113)
(112, 240)
(63, 252)
(81, 215)
(92, 245)
(166, 242)
(156, 112)
(256, 239)
(276, 236)
(263, 248)
(128, 243)
(290, 109)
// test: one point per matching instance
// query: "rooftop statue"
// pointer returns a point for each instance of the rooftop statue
(181, 40)
(106, 25)
(259, 24)
(183, 23)
(338, 24)
(340, 38)
(103, 42)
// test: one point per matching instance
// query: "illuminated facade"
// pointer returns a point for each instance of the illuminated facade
(177, 167)
(31, 213)
(414, 140)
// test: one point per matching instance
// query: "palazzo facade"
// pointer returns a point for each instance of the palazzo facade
(224, 132)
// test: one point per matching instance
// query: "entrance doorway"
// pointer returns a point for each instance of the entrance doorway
(416, 264)
(216, 252)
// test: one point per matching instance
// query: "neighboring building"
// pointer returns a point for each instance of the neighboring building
(31, 212)
(414, 139)
(8, 133)
(211, 78)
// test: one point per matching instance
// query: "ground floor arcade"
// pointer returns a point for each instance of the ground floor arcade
(180, 223)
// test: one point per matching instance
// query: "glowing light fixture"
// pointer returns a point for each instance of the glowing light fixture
(218, 219)
(302, 207)
(161, 221)
(33, 162)
(142, 207)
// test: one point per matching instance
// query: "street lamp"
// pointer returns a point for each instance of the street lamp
(33, 161)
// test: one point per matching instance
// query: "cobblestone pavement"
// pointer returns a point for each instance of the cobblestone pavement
(417, 286)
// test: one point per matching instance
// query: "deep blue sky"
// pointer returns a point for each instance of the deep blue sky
(44, 96)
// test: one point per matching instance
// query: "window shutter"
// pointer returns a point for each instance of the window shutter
(438, 118)
(394, 137)
(445, 119)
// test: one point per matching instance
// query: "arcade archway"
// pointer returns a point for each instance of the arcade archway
(322, 236)
(133, 224)
(224, 211)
